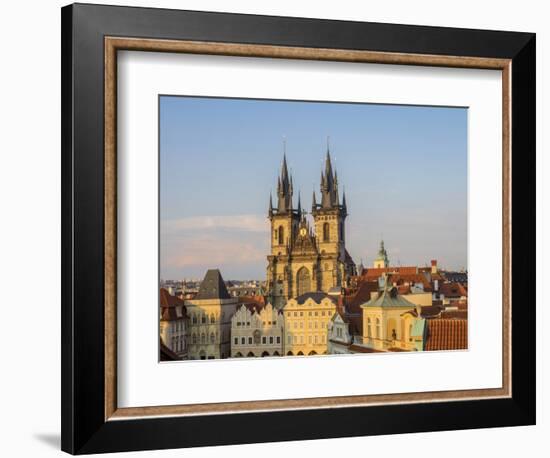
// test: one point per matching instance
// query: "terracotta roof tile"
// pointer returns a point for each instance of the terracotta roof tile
(447, 334)
(167, 300)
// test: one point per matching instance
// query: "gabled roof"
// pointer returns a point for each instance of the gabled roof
(167, 300)
(213, 286)
(389, 298)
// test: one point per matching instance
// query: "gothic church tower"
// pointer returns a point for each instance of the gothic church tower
(305, 259)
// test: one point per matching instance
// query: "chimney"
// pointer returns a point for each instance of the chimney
(434, 266)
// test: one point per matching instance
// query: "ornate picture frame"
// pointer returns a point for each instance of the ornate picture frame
(92, 35)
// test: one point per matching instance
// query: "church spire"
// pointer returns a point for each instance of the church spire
(329, 192)
(270, 205)
(313, 202)
(284, 186)
(344, 204)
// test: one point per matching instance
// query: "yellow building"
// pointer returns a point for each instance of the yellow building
(307, 319)
(209, 325)
(386, 326)
(305, 259)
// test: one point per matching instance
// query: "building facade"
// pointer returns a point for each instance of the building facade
(209, 323)
(306, 324)
(307, 259)
(173, 326)
(257, 331)
(386, 325)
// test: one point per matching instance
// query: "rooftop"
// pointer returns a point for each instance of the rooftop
(213, 286)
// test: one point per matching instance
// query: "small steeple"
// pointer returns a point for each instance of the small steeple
(314, 202)
(299, 204)
(270, 205)
(344, 204)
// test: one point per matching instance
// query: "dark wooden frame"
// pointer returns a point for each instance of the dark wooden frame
(89, 423)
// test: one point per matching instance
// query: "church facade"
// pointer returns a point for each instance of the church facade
(307, 258)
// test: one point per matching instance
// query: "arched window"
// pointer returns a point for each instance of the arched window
(203, 319)
(303, 281)
(378, 328)
(194, 338)
(326, 232)
(212, 338)
(369, 330)
(194, 319)
(212, 319)
(203, 338)
(281, 235)
(410, 332)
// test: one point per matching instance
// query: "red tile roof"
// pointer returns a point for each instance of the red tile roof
(353, 303)
(375, 272)
(452, 290)
(361, 349)
(253, 303)
(461, 314)
(167, 300)
(447, 334)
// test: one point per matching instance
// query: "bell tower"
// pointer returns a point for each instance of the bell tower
(329, 218)
(284, 228)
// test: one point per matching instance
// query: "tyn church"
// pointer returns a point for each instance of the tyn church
(305, 259)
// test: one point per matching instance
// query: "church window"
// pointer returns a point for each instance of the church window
(212, 319)
(303, 280)
(203, 319)
(281, 235)
(326, 232)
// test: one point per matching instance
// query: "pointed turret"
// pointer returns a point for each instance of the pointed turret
(299, 204)
(270, 206)
(344, 204)
(284, 189)
(313, 202)
(329, 187)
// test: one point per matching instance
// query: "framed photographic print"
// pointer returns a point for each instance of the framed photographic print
(271, 222)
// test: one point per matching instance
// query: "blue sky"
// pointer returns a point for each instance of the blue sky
(404, 170)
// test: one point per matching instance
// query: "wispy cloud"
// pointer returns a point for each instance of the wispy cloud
(214, 252)
(247, 223)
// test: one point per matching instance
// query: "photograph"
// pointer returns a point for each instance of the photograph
(292, 228)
